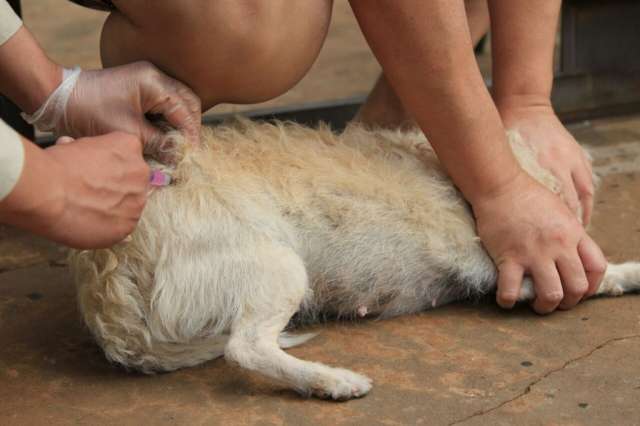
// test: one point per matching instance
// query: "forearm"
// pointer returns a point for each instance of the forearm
(429, 62)
(27, 75)
(523, 37)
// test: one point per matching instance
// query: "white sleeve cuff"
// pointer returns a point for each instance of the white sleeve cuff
(10, 23)
(11, 159)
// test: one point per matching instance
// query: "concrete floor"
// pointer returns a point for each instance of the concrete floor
(462, 364)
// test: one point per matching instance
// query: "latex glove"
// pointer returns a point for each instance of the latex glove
(558, 152)
(90, 103)
(546, 242)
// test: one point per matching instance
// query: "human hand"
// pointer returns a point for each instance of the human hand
(528, 230)
(97, 189)
(557, 151)
(117, 99)
(102, 184)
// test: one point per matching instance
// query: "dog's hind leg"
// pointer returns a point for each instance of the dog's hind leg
(620, 279)
(281, 288)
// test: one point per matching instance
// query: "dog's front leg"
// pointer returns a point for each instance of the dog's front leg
(618, 279)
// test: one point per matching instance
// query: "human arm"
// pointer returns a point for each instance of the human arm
(426, 53)
(523, 37)
(27, 75)
(383, 108)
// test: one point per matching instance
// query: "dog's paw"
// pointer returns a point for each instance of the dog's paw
(527, 293)
(340, 385)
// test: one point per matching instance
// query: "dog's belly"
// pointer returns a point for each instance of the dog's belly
(372, 257)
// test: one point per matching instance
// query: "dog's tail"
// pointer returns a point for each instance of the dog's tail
(288, 340)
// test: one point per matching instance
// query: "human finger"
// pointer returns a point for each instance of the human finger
(63, 140)
(574, 280)
(548, 287)
(570, 193)
(175, 102)
(509, 282)
(583, 183)
(593, 262)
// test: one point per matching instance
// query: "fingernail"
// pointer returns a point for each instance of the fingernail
(159, 178)
(64, 140)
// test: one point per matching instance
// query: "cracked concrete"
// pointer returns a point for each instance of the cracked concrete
(545, 401)
(484, 412)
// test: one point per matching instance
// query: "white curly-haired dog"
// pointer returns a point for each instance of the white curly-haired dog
(266, 221)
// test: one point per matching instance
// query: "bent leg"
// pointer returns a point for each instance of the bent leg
(277, 292)
(225, 50)
(383, 108)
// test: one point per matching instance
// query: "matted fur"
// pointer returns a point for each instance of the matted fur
(266, 221)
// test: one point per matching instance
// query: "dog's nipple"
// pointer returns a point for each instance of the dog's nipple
(362, 311)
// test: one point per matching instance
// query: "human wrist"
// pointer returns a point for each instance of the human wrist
(27, 76)
(517, 184)
(27, 206)
(516, 87)
(514, 107)
(38, 83)
(495, 188)
(52, 112)
(44, 83)
(479, 157)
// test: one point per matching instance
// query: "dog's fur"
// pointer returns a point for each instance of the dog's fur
(267, 221)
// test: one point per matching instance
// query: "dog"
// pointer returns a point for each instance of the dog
(267, 221)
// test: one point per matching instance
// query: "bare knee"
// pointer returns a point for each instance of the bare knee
(226, 50)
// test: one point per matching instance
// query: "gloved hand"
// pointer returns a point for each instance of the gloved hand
(91, 103)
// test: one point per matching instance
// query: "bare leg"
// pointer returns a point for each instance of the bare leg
(226, 50)
(383, 107)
